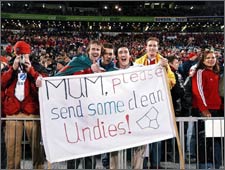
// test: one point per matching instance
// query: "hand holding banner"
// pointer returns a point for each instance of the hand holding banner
(86, 115)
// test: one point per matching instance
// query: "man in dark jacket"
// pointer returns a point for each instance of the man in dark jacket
(177, 90)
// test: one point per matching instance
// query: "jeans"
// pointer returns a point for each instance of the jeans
(191, 142)
(105, 160)
(209, 148)
(155, 154)
(89, 163)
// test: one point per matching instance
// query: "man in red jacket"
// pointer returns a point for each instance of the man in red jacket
(21, 102)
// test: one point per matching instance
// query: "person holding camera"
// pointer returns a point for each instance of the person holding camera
(21, 102)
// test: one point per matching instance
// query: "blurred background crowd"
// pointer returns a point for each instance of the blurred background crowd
(58, 31)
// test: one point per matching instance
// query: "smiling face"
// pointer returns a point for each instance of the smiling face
(123, 57)
(210, 60)
(94, 52)
(152, 48)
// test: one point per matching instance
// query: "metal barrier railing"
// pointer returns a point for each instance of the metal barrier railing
(189, 134)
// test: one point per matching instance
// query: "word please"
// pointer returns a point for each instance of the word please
(135, 77)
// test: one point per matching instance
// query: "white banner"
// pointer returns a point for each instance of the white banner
(86, 115)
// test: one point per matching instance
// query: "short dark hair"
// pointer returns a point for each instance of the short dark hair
(120, 46)
(108, 45)
(172, 58)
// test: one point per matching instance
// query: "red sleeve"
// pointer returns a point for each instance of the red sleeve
(85, 71)
(7, 76)
(198, 84)
(33, 73)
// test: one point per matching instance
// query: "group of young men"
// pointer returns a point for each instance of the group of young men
(20, 84)
(103, 58)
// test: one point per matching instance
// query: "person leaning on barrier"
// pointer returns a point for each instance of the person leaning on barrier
(177, 90)
(152, 56)
(84, 64)
(21, 101)
(206, 102)
(124, 61)
(106, 63)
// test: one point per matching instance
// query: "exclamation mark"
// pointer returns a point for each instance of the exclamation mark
(127, 118)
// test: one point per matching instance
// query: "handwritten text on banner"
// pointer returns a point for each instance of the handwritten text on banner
(86, 115)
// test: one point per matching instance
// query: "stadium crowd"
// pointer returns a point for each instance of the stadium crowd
(53, 51)
(50, 46)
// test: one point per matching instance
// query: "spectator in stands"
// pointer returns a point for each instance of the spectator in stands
(84, 64)
(106, 62)
(186, 65)
(123, 58)
(8, 51)
(177, 90)
(153, 57)
(60, 63)
(186, 110)
(21, 101)
(206, 102)
(124, 61)
(177, 93)
(4, 67)
(221, 90)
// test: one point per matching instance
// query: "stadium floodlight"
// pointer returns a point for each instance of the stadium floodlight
(183, 28)
(146, 28)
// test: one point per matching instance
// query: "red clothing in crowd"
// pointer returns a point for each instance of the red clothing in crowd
(11, 104)
(205, 88)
